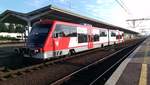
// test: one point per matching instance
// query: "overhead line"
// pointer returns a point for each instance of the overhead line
(122, 5)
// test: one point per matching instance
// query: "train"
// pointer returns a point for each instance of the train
(53, 38)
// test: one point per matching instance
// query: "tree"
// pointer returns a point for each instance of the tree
(11, 28)
(3, 27)
(19, 29)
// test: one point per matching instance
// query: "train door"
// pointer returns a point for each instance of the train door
(104, 36)
(119, 36)
(112, 37)
(62, 36)
(90, 38)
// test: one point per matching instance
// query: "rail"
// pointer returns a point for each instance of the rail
(66, 78)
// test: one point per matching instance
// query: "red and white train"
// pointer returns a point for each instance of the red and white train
(56, 38)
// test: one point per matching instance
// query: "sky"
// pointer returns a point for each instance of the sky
(104, 10)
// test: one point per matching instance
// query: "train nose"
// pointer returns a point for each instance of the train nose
(28, 52)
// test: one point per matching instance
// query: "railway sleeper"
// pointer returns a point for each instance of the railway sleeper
(3, 79)
(18, 73)
(28, 70)
(14, 76)
(8, 76)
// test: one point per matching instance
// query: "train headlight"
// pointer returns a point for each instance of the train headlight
(37, 51)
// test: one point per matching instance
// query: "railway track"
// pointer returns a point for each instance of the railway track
(94, 74)
(101, 79)
(90, 74)
(6, 73)
(44, 73)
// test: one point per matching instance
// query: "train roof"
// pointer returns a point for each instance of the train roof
(55, 13)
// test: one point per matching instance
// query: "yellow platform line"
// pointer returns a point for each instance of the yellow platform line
(145, 55)
(143, 76)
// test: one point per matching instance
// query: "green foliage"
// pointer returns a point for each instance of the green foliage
(11, 28)
(3, 27)
(19, 29)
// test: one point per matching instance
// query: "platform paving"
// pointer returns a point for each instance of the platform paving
(135, 70)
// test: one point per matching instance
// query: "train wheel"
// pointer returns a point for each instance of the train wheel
(102, 45)
(74, 52)
(21, 52)
(16, 51)
(71, 52)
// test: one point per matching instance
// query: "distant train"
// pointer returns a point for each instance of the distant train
(56, 38)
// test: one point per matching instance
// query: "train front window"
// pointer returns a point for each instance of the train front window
(38, 34)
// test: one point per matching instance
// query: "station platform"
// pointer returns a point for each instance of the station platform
(134, 70)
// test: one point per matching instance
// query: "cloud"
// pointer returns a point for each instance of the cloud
(108, 11)
(0, 10)
(105, 2)
(105, 10)
(63, 0)
(139, 8)
(37, 3)
(99, 1)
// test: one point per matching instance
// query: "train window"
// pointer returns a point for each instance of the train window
(82, 38)
(96, 37)
(65, 31)
(113, 34)
(118, 37)
(103, 34)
